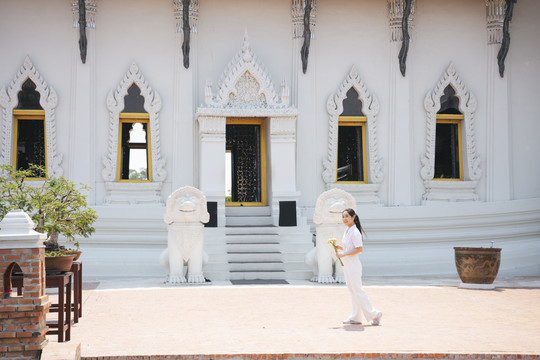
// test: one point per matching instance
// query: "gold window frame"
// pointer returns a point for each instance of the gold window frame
(143, 118)
(452, 119)
(22, 114)
(354, 121)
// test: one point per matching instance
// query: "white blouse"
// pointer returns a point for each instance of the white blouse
(351, 239)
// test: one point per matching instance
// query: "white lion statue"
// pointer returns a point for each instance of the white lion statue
(185, 214)
(327, 218)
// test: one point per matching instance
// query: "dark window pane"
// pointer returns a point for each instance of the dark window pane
(352, 106)
(350, 159)
(449, 102)
(134, 101)
(134, 156)
(31, 144)
(447, 152)
(28, 96)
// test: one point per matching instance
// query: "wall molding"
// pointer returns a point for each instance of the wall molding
(371, 109)
(115, 104)
(472, 170)
(48, 101)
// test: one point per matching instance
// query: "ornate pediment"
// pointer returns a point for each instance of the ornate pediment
(246, 84)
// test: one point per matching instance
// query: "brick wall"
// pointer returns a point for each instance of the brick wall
(23, 324)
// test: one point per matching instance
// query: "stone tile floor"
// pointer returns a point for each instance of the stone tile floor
(143, 317)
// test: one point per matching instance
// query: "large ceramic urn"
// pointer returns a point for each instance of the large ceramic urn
(477, 265)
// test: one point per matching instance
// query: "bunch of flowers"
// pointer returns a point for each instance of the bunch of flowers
(333, 243)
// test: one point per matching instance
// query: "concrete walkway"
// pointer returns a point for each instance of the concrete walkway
(142, 317)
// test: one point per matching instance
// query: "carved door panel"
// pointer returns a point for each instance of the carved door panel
(245, 147)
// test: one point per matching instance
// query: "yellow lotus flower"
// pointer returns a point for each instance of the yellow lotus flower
(333, 243)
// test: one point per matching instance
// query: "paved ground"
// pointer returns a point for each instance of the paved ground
(144, 317)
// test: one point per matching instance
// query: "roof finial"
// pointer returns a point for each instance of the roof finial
(246, 41)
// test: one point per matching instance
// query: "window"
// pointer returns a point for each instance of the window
(29, 145)
(448, 149)
(351, 162)
(351, 149)
(134, 160)
(134, 148)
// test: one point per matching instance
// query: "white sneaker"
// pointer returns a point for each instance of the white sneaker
(352, 322)
(377, 319)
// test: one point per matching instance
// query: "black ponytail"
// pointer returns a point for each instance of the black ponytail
(353, 214)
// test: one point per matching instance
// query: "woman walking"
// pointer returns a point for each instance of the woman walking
(352, 269)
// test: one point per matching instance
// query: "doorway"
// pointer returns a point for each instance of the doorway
(245, 162)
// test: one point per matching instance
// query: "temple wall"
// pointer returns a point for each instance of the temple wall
(347, 33)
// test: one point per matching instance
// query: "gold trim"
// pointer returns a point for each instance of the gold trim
(134, 116)
(354, 121)
(142, 118)
(453, 119)
(342, 120)
(21, 114)
(450, 117)
(261, 122)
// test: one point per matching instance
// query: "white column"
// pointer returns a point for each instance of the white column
(303, 98)
(183, 166)
(498, 166)
(82, 123)
(282, 153)
(400, 132)
(212, 161)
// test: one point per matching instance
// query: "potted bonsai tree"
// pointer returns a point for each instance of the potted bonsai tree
(56, 205)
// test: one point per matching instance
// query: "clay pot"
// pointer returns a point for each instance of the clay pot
(477, 265)
(76, 253)
(58, 264)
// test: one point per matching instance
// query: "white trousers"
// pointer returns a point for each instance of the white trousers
(352, 270)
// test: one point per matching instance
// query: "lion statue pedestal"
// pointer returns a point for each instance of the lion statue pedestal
(328, 210)
(185, 215)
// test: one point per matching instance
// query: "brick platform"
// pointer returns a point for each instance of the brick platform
(22, 318)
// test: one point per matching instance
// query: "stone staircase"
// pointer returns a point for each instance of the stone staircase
(253, 244)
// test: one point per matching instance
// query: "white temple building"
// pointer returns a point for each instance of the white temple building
(423, 110)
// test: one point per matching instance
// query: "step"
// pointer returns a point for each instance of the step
(256, 275)
(253, 247)
(248, 211)
(249, 230)
(251, 238)
(255, 266)
(253, 256)
(249, 220)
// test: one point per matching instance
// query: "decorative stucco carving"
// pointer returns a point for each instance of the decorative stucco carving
(467, 106)
(370, 109)
(246, 84)
(212, 127)
(396, 10)
(91, 9)
(297, 10)
(193, 15)
(495, 10)
(152, 105)
(48, 101)
(185, 214)
(327, 218)
(283, 128)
